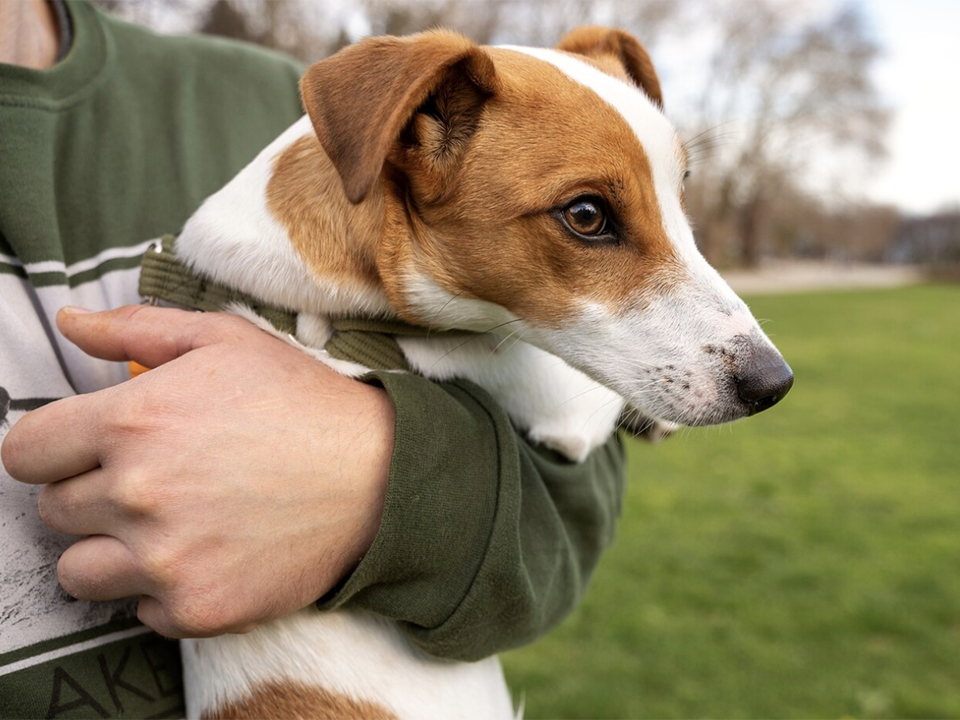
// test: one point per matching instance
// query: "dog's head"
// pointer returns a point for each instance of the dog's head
(542, 194)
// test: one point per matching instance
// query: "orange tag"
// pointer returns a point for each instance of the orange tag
(136, 369)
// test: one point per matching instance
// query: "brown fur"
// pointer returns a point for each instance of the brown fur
(467, 165)
(543, 142)
(296, 701)
(622, 48)
(393, 75)
(333, 236)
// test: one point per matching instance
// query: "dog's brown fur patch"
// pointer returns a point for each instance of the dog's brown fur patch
(481, 223)
(544, 141)
(604, 44)
(296, 701)
(335, 238)
(395, 76)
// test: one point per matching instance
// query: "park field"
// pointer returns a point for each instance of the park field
(804, 563)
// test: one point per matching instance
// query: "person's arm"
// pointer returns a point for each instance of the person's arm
(486, 541)
(241, 480)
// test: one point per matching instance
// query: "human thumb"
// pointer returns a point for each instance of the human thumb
(150, 336)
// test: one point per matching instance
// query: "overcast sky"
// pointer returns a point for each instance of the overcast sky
(920, 77)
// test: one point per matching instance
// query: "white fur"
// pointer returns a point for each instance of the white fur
(447, 311)
(556, 404)
(355, 654)
(234, 239)
(316, 351)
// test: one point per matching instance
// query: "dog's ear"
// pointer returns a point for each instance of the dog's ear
(423, 94)
(596, 42)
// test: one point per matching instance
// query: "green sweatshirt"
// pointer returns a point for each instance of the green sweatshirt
(486, 540)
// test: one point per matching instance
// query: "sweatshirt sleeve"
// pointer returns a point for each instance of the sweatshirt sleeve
(487, 541)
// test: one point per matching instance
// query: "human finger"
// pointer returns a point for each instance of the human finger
(56, 441)
(151, 613)
(193, 620)
(99, 567)
(150, 336)
(78, 505)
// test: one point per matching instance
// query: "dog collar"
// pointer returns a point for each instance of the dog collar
(369, 342)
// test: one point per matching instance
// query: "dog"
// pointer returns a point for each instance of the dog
(531, 196)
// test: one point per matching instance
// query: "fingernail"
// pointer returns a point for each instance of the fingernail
(74, 310)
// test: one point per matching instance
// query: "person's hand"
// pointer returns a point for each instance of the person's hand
(238, 481)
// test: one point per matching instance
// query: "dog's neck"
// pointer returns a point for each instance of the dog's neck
(336, 239)
(283, 231)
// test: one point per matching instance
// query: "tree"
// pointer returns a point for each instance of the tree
(312, 30)
(803, 91)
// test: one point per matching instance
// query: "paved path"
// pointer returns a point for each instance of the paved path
(787, 276)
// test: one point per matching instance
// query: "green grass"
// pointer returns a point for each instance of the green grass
(804, 563)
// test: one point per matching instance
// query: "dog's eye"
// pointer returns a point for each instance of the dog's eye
(585, 217)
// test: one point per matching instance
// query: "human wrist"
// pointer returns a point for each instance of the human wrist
(367, 441)
(374, 458)
(435, 524)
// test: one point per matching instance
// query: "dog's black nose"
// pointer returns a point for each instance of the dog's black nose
(764, 380)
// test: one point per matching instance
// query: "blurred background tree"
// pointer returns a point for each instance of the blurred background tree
(800, 89)
(777, 101)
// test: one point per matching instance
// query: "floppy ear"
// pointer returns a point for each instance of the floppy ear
(594, 42)
(424, 93)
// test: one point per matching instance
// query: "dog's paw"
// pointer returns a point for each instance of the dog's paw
(575, 449)
(639, 425)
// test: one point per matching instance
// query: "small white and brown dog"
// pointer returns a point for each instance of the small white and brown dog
(532, 195)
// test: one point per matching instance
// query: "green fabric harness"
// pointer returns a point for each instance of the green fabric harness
(369, 342)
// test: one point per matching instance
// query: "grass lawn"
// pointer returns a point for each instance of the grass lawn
(804, 563)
